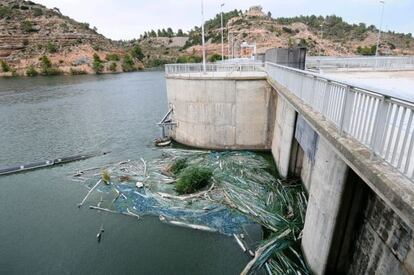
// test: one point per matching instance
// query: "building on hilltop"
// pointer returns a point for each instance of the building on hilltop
(255, 11)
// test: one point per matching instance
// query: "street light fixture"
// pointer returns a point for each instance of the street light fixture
(382, 2)
(222, 33)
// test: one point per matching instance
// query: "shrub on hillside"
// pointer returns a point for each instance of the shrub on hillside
(136, 52)
(31, 71)
(128, 64)
(97, 65)
(112, 57)
(4, 66)
(113, 66)
(192, 179)
(76, 72)
(51, 47)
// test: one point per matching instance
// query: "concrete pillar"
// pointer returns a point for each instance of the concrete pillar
(328, 181)
(283, 135)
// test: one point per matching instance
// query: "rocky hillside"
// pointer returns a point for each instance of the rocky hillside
(328, 35)
(34, 39)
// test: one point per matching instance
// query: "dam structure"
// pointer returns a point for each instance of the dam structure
(351, 144)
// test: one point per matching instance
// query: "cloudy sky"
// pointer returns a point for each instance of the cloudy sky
(126, 19)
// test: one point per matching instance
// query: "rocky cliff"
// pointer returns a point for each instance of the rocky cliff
(29, 31)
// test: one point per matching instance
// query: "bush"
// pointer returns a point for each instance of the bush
(27, 26)
(192, 179)
(189, 59)
(5, 12)
(215, 57)
(112, 57)
(178, 165)
(37, 12)
(76, 72)
(128, 64)
(31, 71)
(113, 67)
(367, 50)
(97, 65)
(51, 47)
(4, 66)
(136, 52)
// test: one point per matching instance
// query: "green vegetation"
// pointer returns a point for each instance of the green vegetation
(47, 68)
(112, 57)
(192, 179)
(31, 71)
(128, 64)
(76, 72)
(84, 26)
(367, 50)
(106, 176)
(113, 66)
(215, 57)
(189, 59)
(51, 47)
(97, 65)
(4, 66)
(5, 12)
(136, 52)
(27, 26)
(37, 12)
(157, 62)
(178, 165)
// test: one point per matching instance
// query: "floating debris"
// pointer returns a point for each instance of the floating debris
(242, 191)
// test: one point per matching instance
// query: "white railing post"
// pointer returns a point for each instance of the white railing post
(380, 127)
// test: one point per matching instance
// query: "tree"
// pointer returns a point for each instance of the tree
(170, 32)
(136, 52)
(97, 63)
(128, 64)
(180, 32)
(269, 14)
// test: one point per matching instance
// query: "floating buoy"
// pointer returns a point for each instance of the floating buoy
(139, 184)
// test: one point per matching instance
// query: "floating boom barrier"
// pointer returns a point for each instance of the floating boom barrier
(47, 163)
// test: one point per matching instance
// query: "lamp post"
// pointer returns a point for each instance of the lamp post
(222, 33)
(202, 36)
(382, 2)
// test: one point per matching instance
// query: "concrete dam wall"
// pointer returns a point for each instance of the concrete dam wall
(222, 113)
(360, 215)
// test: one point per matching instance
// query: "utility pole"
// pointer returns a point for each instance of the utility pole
(222, 34)
(202, 36)
(320, 46)
(382, 2)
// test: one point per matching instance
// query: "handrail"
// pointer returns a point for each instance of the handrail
(361, 62)
(382, 123)
(189, 69)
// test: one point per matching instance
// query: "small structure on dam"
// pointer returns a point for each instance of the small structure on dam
(351, 145)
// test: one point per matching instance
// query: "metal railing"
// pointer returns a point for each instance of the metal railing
(352, 63)
(380, 122)
(212, 69)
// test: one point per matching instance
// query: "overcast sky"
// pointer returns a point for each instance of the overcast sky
(127, 19)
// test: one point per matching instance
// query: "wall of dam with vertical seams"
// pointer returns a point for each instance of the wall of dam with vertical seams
(222, 113)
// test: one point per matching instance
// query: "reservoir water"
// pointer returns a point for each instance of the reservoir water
(41, 229)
